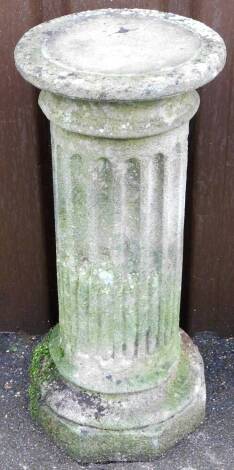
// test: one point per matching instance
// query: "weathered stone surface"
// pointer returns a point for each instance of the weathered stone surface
(23, 444)
(119, 208)
(125, 120)
(119, 380)
(120, 55)
(105, 427)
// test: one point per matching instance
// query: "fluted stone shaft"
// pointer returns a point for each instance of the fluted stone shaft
(116, 379)
(119, 210)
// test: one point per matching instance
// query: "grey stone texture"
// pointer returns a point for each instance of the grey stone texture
(124, 383)
(24, 445)
(120, 55)
(98, 427)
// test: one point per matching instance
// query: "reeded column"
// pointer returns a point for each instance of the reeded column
(119, 208)
(119, 91)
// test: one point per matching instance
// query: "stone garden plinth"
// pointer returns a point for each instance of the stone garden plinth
(117, 379)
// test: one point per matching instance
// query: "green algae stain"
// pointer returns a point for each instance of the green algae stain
(180, 387)
(42, 370)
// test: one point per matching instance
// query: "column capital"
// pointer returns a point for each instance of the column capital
(119, 120)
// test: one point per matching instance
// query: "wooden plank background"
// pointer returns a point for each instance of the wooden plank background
(28, 299)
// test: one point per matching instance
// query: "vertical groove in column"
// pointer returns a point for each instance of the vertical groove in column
(82, 310)
(106, 277)
(180, 178)
(174, 166)
(91, 209)
(72, 187)
(94, 332)
(79, 209)
(146, 262)
(125, 239)
(78, 228)
(132, 236)
(154, 306)
(173, 191)
(77, 321)
(165, 241)
(117, 255)
(119, 319)
(104, 209)
(132, 228)
(127, 308)
(180, 239)
(60, 224)
(92, 256)
(152, 240)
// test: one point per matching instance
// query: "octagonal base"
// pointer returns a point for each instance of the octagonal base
(102, 428)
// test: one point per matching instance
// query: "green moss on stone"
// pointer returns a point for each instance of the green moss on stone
(180, 387)
(42, 371)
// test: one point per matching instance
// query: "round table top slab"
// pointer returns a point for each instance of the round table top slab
(120, 55)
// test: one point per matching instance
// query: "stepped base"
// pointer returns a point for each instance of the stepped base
(126, 427)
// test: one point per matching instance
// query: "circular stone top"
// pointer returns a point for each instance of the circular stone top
(120, 55)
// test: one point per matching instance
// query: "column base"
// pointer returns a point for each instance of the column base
(95, 427)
